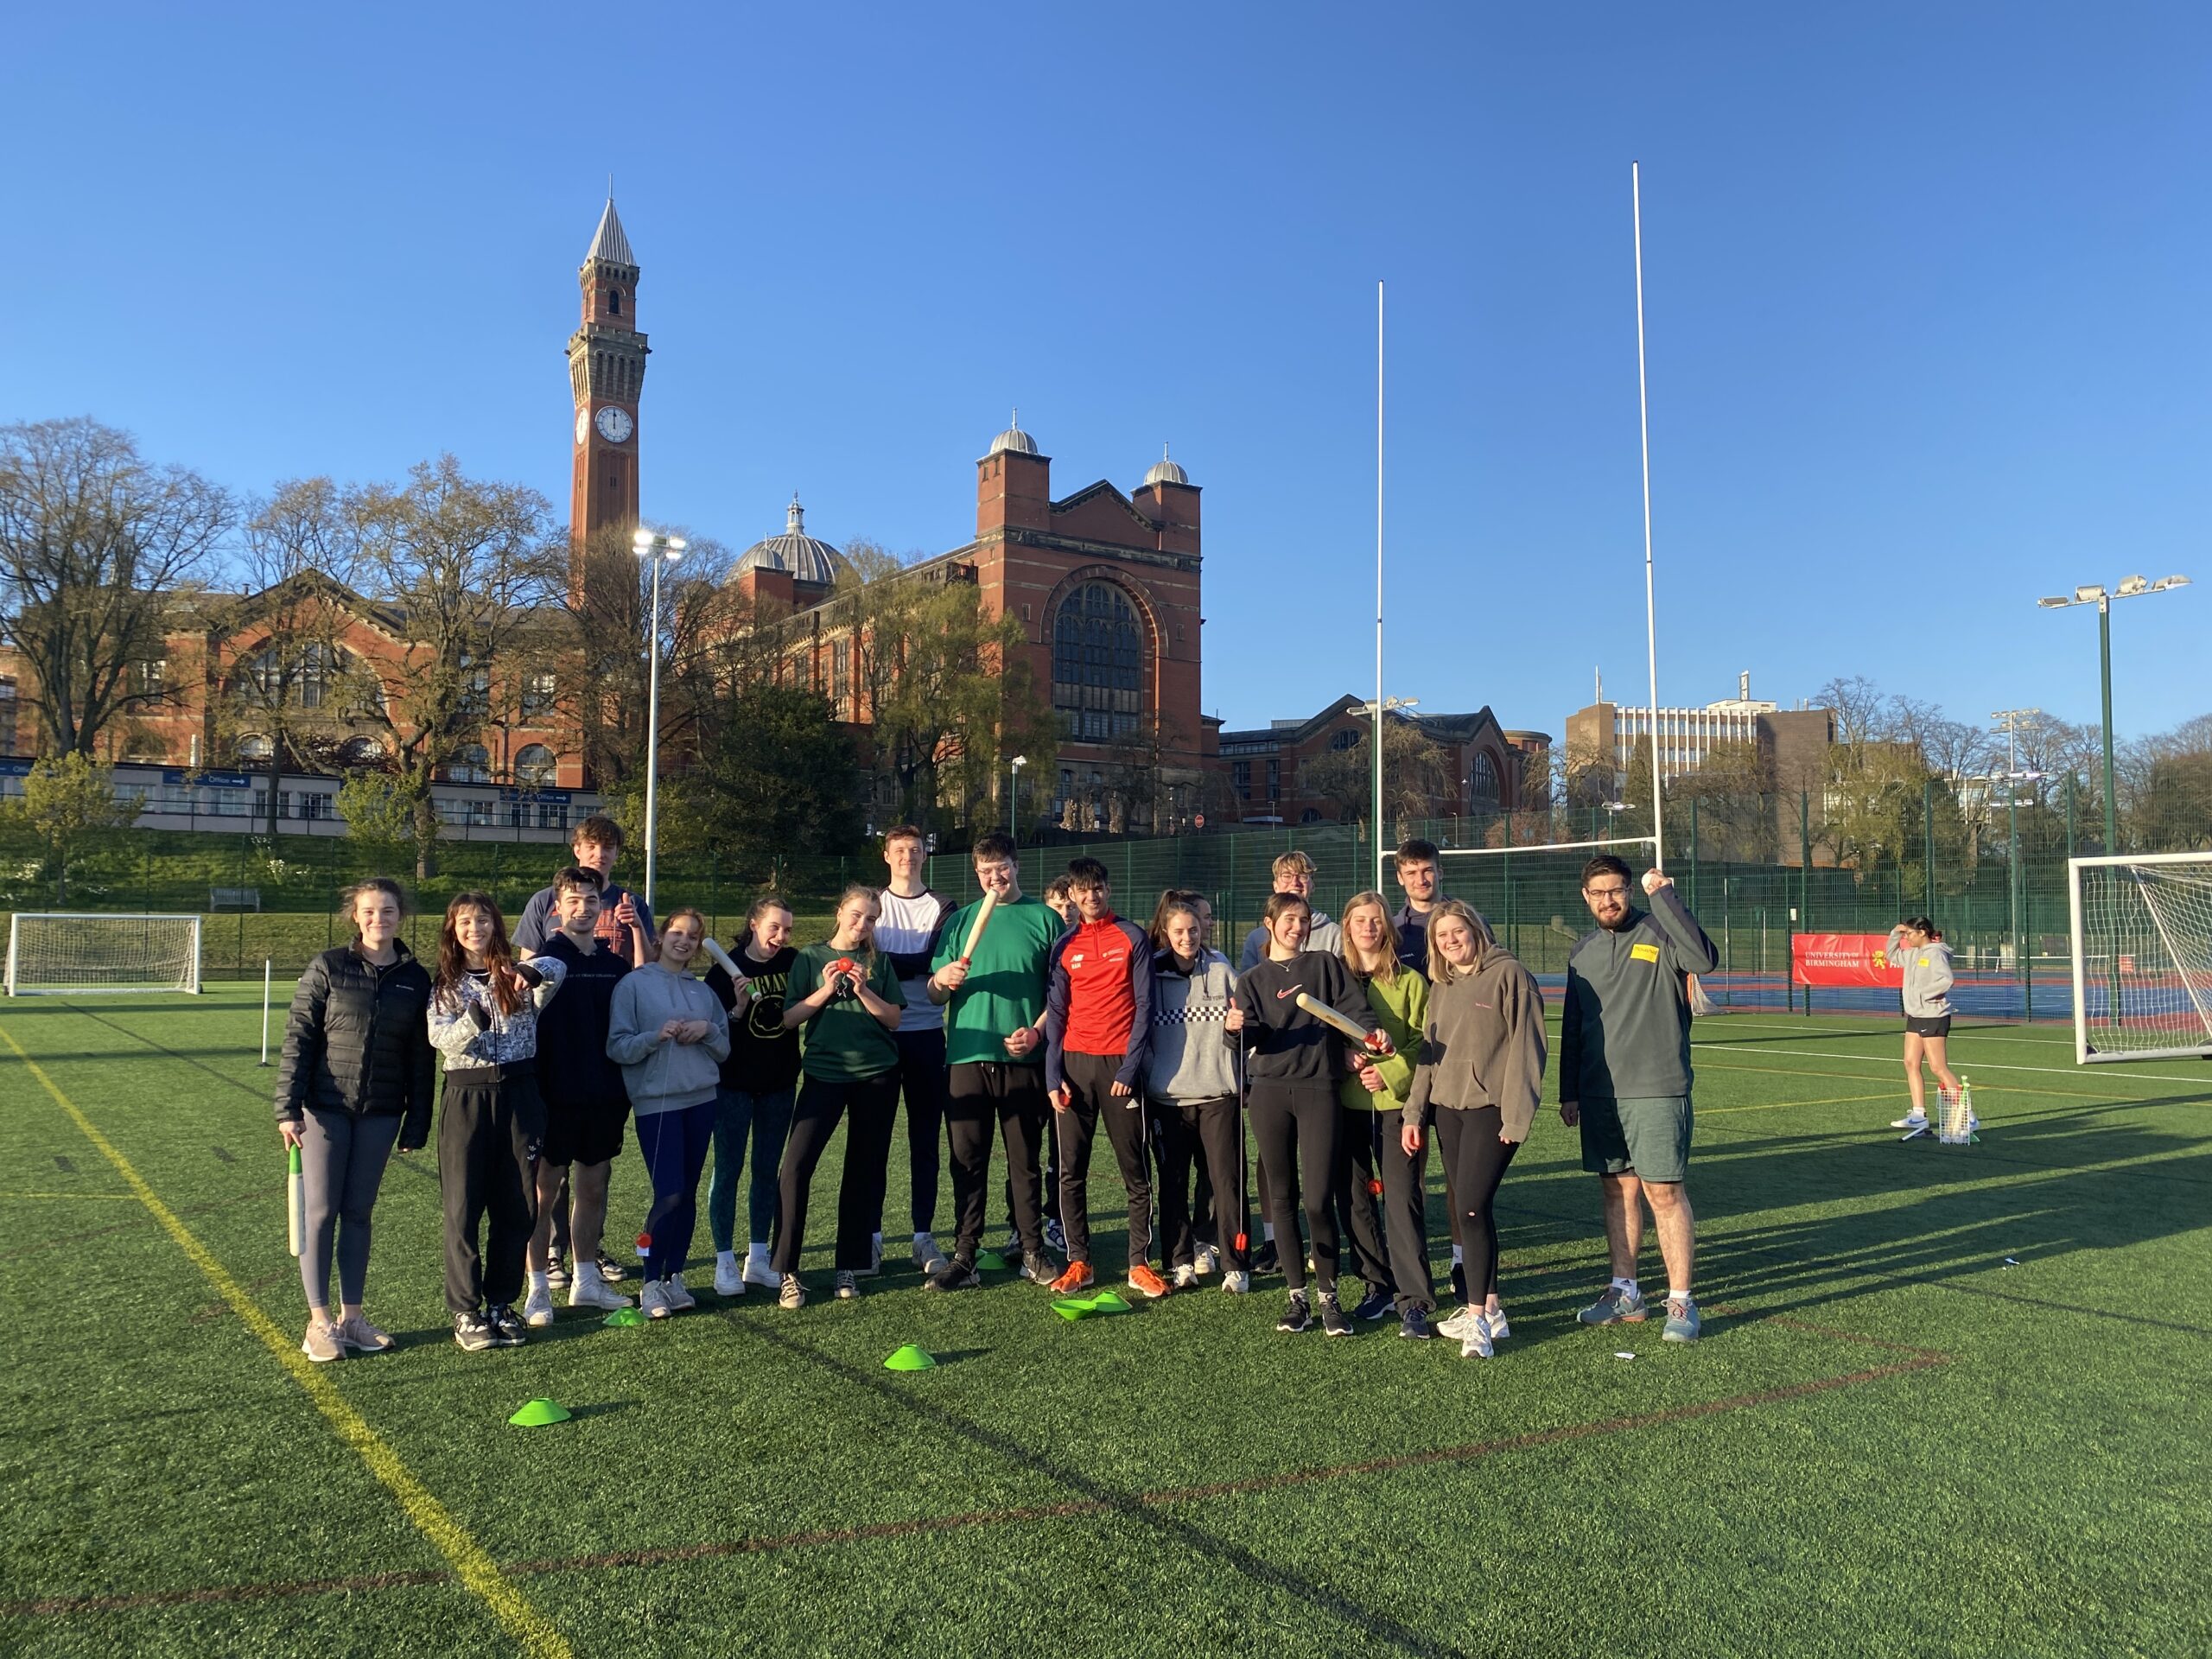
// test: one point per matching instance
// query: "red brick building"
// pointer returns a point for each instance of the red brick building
(1282, 773)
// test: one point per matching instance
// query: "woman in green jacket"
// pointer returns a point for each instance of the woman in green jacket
(1390, 1252)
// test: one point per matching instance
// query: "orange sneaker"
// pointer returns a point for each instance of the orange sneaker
(1078, 1277)
(1143, 1278)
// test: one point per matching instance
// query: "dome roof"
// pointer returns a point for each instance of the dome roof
(1013, 438)
(1165, 471)
(807, 558)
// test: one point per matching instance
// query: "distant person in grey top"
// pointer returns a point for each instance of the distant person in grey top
(1624, 1078)
(1917, 947)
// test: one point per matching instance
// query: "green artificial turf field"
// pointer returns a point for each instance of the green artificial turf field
(1950, 1399)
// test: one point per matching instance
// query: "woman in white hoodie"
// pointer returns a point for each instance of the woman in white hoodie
(670, 1035)
(1916, 945)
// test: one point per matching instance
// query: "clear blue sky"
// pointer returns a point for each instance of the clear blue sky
(1926, 294)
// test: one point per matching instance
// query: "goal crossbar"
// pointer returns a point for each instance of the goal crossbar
(69, 953)
(1546, 847)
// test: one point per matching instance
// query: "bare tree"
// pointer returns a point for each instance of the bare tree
(99, 550)
(470, 570)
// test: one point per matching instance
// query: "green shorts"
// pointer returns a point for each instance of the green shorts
(1649, 1137)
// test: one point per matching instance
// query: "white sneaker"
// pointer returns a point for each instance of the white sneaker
(730, 1273)
(927, 1256)
(1460, 1325)
(587, 1289)
(654, 1301)
(537, 1307)
(1909, 1120)
(679, 1297)
(1236, 1283)
(757, 1270)
(1477, 1346)
(791, 1293)
(1208, 1261)
(1495, 1326)
(1186, 1275)
(848, 1285)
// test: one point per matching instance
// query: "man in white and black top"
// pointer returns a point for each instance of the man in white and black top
(906, 931)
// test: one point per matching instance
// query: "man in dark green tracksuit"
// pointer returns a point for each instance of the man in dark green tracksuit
(1624, 1078)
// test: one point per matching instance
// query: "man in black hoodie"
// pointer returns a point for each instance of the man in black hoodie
(1624, 1076)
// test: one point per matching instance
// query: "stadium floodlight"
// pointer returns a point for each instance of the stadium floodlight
(658, 550)
(2094, 594)
(1013, 789)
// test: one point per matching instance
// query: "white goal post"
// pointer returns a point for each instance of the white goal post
(84, 952)
(2142, 946)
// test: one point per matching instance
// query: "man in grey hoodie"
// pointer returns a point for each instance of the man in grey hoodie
(1624, 1076)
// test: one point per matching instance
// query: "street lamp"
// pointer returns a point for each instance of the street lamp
(1013, 794)
(656, 551)
(2094, 594)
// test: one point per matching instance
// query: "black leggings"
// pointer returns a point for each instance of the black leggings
(874, 1103)
(1301, 1129)
(1209, 1134)
(1477, 1159)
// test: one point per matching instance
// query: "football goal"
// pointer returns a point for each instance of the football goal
(2142, 956)
(76, 953)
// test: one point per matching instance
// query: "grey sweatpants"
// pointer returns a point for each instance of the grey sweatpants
(342, 1159)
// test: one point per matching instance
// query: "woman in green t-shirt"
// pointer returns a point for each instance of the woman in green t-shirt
(850, 1063)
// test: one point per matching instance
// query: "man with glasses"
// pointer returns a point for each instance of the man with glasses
(1624, 1078)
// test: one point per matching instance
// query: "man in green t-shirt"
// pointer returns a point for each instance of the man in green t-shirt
(994, 1046)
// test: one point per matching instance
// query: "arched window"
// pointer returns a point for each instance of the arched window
(534, 767)
(360, 752)
(472, 764)
(255, 747)
(1482, 786)
(1097, 664)
(1346, 739)
(613, 301)
(1311, 815)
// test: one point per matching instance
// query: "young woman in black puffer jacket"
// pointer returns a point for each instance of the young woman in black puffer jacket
(356, 1078)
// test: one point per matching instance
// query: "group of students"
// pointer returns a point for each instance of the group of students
(1033, 1021)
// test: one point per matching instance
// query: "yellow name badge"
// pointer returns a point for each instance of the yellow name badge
(1644, 952)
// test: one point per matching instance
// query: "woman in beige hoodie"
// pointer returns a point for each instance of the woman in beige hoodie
(1480, 1075)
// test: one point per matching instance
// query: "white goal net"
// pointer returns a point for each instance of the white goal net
(2142, 957)
(81, 952)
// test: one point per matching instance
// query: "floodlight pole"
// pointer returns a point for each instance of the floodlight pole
(2104, 675)
(1650, 613)
(1377, 760)
(1013, 792)
(659, 549)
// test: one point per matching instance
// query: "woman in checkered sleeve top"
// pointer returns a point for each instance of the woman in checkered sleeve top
(1191, 1090)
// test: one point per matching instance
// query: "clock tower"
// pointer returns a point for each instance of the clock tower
(607, 372)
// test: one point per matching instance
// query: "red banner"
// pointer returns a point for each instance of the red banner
(1844, 959)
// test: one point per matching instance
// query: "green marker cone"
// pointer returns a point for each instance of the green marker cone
(911, 1357)
(624, 1317)
(989, 1261)
(1109, 1302)
(539, 1412)
(1070, 1307)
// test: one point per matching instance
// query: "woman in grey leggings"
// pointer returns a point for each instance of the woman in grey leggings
(357, 1079)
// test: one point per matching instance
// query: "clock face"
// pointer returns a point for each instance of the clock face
(583, 426)
(615, 424)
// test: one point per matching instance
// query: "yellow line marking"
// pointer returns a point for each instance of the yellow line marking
(471, 1563)
(73, 1196)
(1776, 1105)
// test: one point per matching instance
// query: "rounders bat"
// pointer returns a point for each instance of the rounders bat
(1373, 1041)
(976, 928)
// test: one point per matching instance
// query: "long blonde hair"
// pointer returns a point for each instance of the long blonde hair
(1440, 971)
(859, 890)
(1387, 971)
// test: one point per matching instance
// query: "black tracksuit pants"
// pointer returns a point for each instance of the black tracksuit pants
(1208, 1134)
(1472, 1150)
(1373, 1150)
(1092, 1102)
(490, 1126)
(921, 1079)
(1300, 1130)
(982, 1093)
(872, 1103)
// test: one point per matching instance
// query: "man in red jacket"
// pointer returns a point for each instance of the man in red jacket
(1097, 1028)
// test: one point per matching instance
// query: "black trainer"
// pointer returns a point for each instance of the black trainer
(1040, 1269)
(473, 1332)
(1374, 1305)
(1264, 1260)
(506, 1327)
(1413, 1323)
(556, 1271)
(1297, 1313)
(954, 1274)
(1333, 1322)
(611, 1270)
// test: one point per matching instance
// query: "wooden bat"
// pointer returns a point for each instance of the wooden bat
(976, 928)
(1373, 1041)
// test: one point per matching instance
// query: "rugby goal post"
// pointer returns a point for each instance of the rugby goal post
(87, 952)
(2142, 948)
